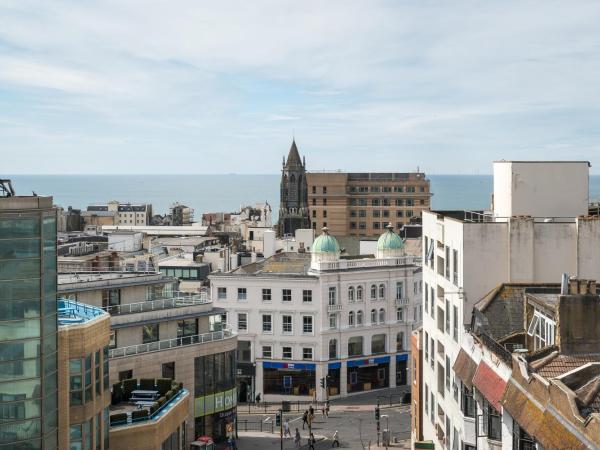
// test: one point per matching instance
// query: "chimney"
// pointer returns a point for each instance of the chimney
(583, 287)
(592, 288)
(573, 286)
(564, 284)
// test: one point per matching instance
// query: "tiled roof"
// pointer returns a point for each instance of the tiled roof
(489, 384)
(565, 363)
(465, 368)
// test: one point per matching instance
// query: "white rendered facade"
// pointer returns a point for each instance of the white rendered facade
(473, 253)
(337, 312)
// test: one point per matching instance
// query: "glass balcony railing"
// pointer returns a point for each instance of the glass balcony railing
(178, 300)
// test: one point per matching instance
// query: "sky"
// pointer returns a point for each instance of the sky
(188, 86)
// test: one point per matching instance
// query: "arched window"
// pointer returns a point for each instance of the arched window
(333, 349)
(400, 341)
(382, 290)
(359, 318)
(359, 293)
(355, 346)
(373, 292)
(382, 315)
(351, 294)
(378, 343)
(400, 314)
(373, 316)
(351, 318)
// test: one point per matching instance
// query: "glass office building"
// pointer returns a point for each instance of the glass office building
(28, 324)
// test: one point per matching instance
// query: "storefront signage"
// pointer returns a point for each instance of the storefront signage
(402, 357)
(210, 404)
(368, 362)
(291, 366)
(335, 365)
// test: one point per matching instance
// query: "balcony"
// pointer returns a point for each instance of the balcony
(226, 333)
(401, 301)
(344, 264)
(179, 300)
(334, 308)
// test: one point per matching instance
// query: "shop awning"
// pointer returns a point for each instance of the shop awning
(547, 430)
(465, 368)
(291, 366)
(368, 362)
(490, 384)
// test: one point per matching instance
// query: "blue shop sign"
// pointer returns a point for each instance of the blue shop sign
(335, 365)
(368, 361)
(402, 357)
(291, 366)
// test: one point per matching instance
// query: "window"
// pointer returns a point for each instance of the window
(448, 373)
(150, 333)
(352, 225)
(286, 352)
(187, 327)
(222, 293)
(373, 292)
(399, 202)
(447, 263)
(426, 340)
(399, 290)
(267, 323)
(492, 421)
(362, 213)
(455, 266)
(324, 189)
(376, 225)
(382, 315)
(76, 381)
(314, 202)
(373, 316)
(286, 322)
(362, 225)
(286, 295)
(375, 202)
(267, 352)
(378, 343)
(381, 291)
(400, 341)
(376, 213)
(448, 316)
(88, 378)
(355, 346)
(113, 339)
(307, 295)
(351, 294)
(324, 213)
(426, 400)
(400, 314)
(359, 293)
(168, 370)
(314, 213)
(332, 348)
(455, 329)
(469, 407)
(125, 375)
(351, 318)
(307, 324)
(307, 353)
(314, 189)
(242, 322)
(426, 298)
(332, 295)
(97, 377)
(241, 294)
(386, 213)
(266, 295)
(359, 318)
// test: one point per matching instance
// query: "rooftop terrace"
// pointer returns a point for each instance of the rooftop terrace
(71, 312)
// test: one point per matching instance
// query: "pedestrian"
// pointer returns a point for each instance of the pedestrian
(258, 398)
(311, 442)
(297, 438)
(286, 429)
(230, 443)
(336, 439)
(323, 410)
(304, 419)
(327, 408)
(311, 411)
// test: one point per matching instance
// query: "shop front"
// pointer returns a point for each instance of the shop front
(368, 374)
(402, 369)
(334, 373)
(289, 378)
(246, 373)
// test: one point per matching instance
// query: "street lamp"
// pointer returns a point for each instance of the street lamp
(387, 427)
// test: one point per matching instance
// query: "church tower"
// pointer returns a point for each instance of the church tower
(293, 206)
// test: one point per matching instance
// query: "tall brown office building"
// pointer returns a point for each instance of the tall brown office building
(293, 206)
(362, 204)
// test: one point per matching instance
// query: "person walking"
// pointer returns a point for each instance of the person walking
(304, 419)
(336, 439)
(297, 438)
(327, 409)
(311, 442)
(258, 398)
(286, 429)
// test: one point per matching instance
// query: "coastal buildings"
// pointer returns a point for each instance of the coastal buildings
(536, 231)
(28, 323)
(293, 207)
(123, 213)
(157, 331)
(362, 204)
(531, 361)
(303, 316)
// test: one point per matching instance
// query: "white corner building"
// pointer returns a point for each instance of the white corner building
(303, 316)
(537, 230)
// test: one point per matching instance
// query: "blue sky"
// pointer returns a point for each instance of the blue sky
(220, 87)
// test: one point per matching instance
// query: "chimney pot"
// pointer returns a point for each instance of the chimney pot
(592, 287)
(583, 287)
(573, 286)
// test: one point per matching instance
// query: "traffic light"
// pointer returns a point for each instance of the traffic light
(377, 413)
(278, 419)
(323, 383)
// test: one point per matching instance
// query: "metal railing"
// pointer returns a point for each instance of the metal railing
(369, 262)
(496, 348)
(402, 301)
(73, 310)
(256, 425)
(156, 346)
(272, 407)
(179, 300)
(130, 420)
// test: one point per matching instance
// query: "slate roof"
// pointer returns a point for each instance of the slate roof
(293, 158)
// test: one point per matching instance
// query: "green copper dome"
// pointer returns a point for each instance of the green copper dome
(325, 243)
(390, 240)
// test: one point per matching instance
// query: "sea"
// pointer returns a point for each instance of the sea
(227, 192)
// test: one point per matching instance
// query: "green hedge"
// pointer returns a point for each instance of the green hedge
(139, 414)
(116, 419)
(163, 385)
(129, 386)
(147, 384)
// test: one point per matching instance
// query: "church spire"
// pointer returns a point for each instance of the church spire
(293, 158)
